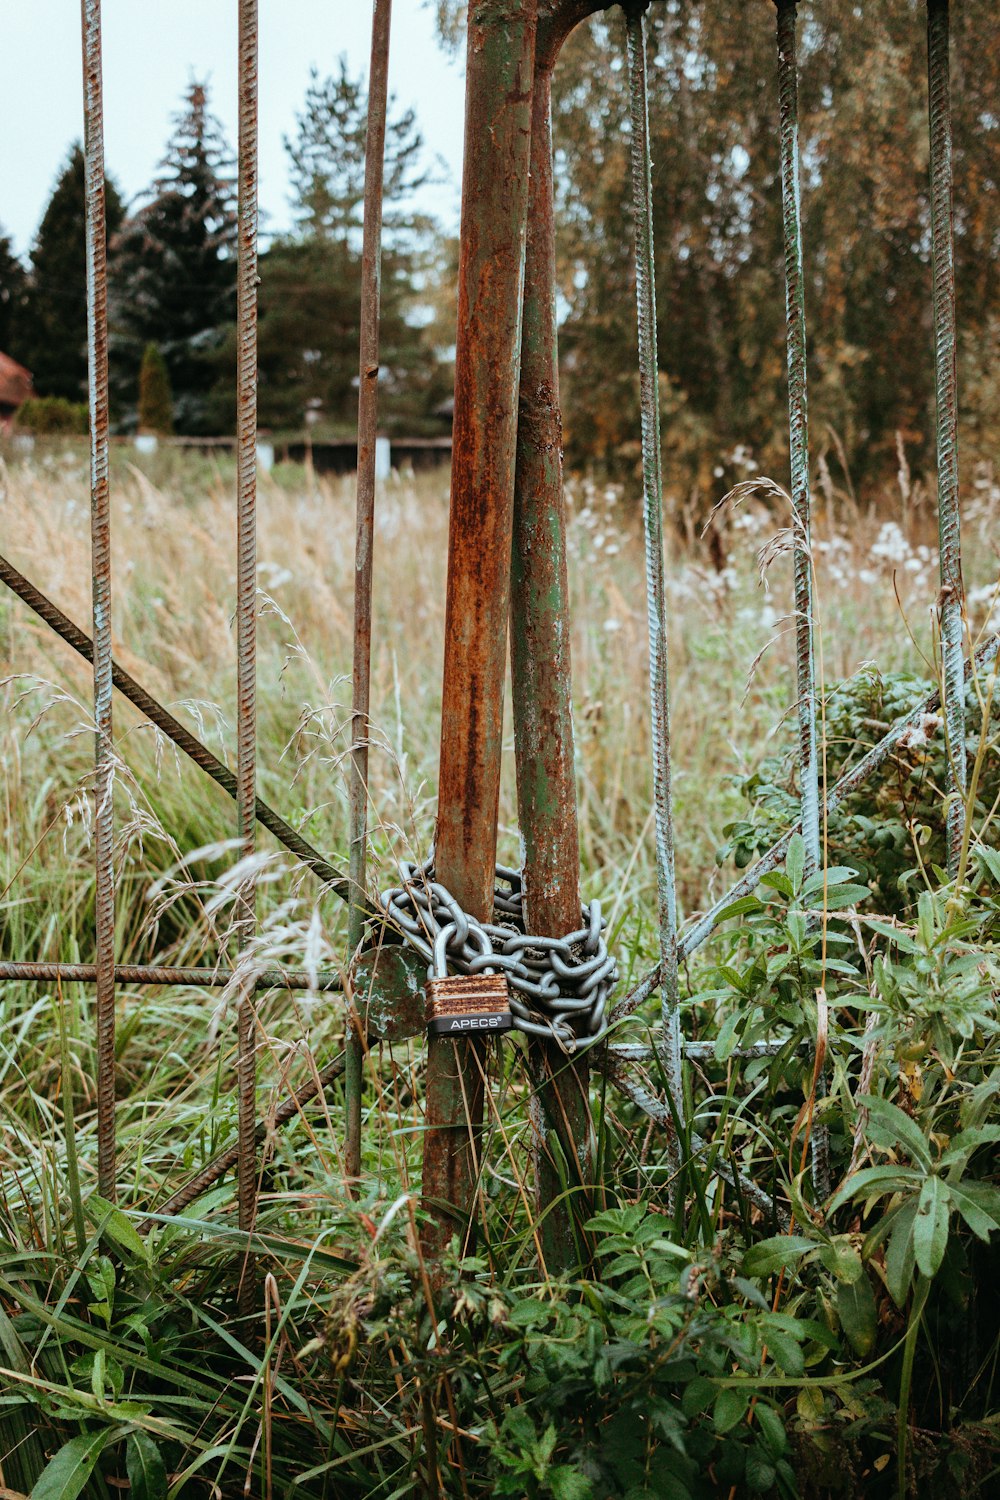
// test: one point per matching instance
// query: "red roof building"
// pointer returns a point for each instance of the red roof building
(15, 388)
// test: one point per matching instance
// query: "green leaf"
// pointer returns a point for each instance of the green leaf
(838, 897)
(65, 1475)
(696, 1395)
(900, 1257)
(776, 1254)
(889, 1126)
(930, 1230)
(568, 1484)
(979, 1205)
(759, 1473)
(841, 1259)
(147, 1473)
(730, 1407)
(872, 1182)
(772, 1429)
(795, 860)
(726, 1040)
(896, 935)
(857, 1314)
(740, 907)
(112, 1222)
(839, 875)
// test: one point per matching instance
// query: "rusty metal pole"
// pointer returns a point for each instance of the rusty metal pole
(501, 48)
(100, 534)
(246, 611)
(371, 277)
(952, 597)
(541, 673)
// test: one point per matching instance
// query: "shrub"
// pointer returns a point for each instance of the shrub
(53, 415)
(156, 402)
(893, 826)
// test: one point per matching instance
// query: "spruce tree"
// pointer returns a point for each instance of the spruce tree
(55, 332)
(13, 302)
(310, 282)
(156, 403)
(175, 271)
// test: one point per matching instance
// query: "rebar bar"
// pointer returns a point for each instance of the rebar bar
(952, 596)
(798, 430)
(169, 974)
(100, 534)
(656, 609)
(798, 445)
(246, 601)
(175, 731)
(371, 275)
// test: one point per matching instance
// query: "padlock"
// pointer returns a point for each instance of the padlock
(465, 1004)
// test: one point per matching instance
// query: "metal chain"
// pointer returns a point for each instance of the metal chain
(559, 987)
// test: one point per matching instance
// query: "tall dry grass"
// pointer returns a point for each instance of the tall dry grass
(174, 583)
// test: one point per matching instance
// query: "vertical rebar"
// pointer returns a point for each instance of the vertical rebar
(246, 596)
(652, 480)
(100, 540)
(798, 444)
(798, 430)
(371, 277)
(946, 390)
(501, 56)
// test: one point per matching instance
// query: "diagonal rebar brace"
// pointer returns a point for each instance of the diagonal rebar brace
(175, 731)
(286, 1111)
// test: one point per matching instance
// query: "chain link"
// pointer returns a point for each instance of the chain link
(559, 987)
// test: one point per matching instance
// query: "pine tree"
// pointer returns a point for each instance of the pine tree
(175, 270)
(310, 282)
(55, 332)
(156, 403)
(13, 302)
(327, 164)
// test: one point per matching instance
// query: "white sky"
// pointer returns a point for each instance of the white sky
(152, 48)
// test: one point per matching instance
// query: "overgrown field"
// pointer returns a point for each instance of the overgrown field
(708, 1348)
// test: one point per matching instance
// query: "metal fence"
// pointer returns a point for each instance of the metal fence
(507, 558)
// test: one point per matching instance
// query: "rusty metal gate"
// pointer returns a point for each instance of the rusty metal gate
(507, 558)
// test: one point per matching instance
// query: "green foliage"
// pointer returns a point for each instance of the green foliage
(55, 329)
(713, 121)
(51, 415)
(892, 828)
(174, 275)
(310, 300)
(13, 302)
(156, 407)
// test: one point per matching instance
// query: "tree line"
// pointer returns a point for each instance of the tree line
(172, 282)
(719, 269)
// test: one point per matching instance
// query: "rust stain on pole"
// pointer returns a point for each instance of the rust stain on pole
(371, 276)
(501, 46)
(541, 671)
(246, 603)
(100, 533)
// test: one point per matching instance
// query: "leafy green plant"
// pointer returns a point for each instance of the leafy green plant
(892, 828)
